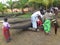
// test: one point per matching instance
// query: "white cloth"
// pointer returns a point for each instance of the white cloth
(6, 24)
(36, 14)
(56, 8)
(48, 15)
(34, 18)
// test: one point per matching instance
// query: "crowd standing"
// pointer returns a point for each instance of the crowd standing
(44, 18)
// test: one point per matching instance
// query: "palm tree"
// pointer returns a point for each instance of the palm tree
(35, 3)
(22, 4)
(2, 8)
(10, 3)
(45, 3)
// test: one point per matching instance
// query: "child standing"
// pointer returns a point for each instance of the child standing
(5, 28)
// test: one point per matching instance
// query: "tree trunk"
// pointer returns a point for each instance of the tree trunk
(2, 13)
(22, 10)
(46, 7)
(12, 9)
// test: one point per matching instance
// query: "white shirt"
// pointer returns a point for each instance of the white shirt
(34, 18)
(6, 24)
(49, 15)
(35, 15)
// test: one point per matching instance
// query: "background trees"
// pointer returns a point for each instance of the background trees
(56, 3)
(31, 3)
(10, 5)
(22, 4)
(46, 3)
(2, 8)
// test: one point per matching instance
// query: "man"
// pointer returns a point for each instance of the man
(56, 22)
(34, 18)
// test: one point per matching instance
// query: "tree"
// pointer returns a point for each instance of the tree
(2, 7)
(56, 3)
(34, 5)
(51, 2)
(16, 4)
(42, 2)
(23, 4)
(10, 3)
(37, 1)
(46, 3)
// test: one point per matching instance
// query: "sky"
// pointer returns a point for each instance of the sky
(4, 1)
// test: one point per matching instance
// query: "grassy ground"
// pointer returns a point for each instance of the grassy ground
(31, 38)
(27, 15)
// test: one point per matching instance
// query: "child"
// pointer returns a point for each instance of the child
(39, 23)
(6, 32)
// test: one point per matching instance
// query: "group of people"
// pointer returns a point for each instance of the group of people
(45, 18)
(42, 18)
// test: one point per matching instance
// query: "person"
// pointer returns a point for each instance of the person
(51, 9)
(47, 26)
(49, 15)
(47, 21)
(55, 25)
(56, 11)
(34, 19)
(55, 20)
(6, 32)
(39, 23)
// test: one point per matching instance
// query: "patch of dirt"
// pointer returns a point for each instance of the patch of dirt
(31, 38)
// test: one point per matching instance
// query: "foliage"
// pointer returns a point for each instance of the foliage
(23, 3)
(16, 4)
(27, 15)
(56, 3)
(45, 3)
(37, 1)
(2, 7)
(10, 3)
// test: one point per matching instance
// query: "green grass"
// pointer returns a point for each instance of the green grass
(27, 15)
